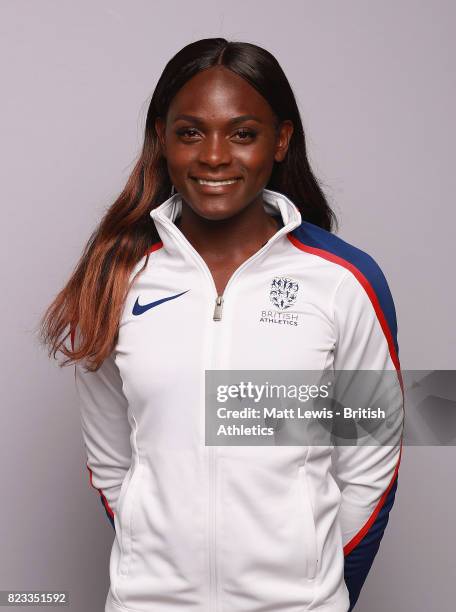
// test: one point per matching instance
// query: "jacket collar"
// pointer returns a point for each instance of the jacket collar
(166, 214)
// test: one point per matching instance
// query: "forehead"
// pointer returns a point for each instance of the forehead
(219, 94)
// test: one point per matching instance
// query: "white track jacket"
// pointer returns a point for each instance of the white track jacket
(237, 528)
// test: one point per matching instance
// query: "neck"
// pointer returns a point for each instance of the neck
(228, 239)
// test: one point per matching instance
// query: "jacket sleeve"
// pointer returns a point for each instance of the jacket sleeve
(105, 429)
(366, 329)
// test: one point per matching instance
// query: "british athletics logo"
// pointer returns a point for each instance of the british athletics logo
(282, 294)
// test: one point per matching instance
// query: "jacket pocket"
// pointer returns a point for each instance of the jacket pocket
(125, 510)
(310, 543)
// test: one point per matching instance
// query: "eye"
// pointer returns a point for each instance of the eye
(246, 134)
(243, 134)
(186, 132)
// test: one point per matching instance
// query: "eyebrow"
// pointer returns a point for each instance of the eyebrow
(233, 121)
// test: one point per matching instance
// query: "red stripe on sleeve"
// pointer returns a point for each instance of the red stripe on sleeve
(394, 357)
(363, 531)
(105, 501)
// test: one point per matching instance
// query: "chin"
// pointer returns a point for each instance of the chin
(214, 208)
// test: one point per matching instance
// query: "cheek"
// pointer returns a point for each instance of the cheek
(258, 157)
(179, 158)
(259, 165)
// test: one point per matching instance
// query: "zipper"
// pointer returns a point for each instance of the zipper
(212, 460)
(218, 308)
(309, 520)
(126, 504)
(214, 361)
(125, 514)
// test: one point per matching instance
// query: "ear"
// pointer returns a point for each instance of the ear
(283, 139)
(160, 129)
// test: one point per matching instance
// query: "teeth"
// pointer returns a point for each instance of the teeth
(215, 183)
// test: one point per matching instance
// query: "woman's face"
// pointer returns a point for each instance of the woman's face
(219, 127)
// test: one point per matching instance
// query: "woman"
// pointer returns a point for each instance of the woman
(219, 254)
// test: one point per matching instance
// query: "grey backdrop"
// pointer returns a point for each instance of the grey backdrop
(376, 88)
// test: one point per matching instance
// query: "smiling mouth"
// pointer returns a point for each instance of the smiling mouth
(216, 183)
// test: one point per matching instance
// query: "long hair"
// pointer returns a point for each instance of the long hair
(93, 298)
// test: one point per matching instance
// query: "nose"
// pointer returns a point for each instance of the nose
(214, 150)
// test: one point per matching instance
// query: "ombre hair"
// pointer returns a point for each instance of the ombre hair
(91, 302)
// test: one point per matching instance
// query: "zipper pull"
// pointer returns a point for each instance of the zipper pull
(218, 308)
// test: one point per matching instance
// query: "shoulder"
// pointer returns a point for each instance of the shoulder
(318, 241)
(360, 265)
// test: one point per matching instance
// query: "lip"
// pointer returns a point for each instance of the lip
(215, 178)
(215, 188)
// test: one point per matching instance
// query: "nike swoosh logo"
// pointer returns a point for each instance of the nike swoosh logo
(139, 309)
